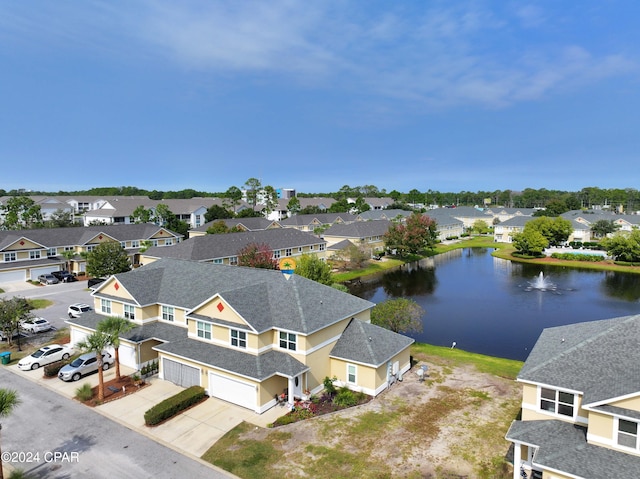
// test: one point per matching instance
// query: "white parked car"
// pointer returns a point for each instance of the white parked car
(45, 355)
(35, 325)
(76, 310)
(83, 365)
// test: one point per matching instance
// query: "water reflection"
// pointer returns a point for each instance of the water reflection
(623, 286)
(481, 302)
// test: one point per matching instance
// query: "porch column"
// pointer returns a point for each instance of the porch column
(290, 389)
(517, 460)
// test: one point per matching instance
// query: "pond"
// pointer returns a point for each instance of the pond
(496, 307)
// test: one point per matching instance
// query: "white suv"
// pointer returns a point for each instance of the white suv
(76, 310)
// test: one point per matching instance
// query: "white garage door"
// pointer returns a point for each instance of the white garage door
(127, 355)
(77, 336)
(12, 276)
(180, 374)
(35, 272)
(233, 391)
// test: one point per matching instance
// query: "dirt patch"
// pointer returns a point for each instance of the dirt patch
(452, 425)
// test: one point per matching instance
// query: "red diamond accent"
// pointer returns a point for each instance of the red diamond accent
(161, 232)
(117, 286)
(220, 307)
(100, 237)
(21, 243)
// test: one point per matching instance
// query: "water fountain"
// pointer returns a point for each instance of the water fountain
(541, 283)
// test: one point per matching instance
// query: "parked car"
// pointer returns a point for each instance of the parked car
(83, 365)
(64, 276)
(46, 355)
(35, 325)
(48, 279)
(76, 310)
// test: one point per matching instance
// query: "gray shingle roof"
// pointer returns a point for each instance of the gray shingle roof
(320, 219)
(80, 235)
(359, 229)
(367, 343)
(256, 367)
(264, 298)
(249, 224)
(210, 247)
(563, 446)
(598, 358)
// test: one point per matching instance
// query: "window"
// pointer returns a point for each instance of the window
(91, 247)
(52, 252)
(69, 248)
(203, 329)
(217, 261)
(322, 247)
(310, 247)
(154, 242)
(233, 260)
(129, 311)
(299, 249)
(168, 242)
(123, 244)
(287, 341)
(167, 313)
(198, 220)
(34, 254)
(9, 256)
(287, 252)
(557, 402)
(276, 254)
(238, 338)
(105, 306)
(628, 433)
(351, 373)
(135, 243)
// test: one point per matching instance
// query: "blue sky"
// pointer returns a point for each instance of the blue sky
(448, 96)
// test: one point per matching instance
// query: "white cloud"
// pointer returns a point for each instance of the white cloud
(419, 56)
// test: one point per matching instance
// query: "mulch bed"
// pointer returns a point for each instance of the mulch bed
(125, 381)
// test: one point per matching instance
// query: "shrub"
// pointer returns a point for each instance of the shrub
(578, 257)
(328, 385)
(173, 405)
(348, 398)
(51, 370)
(84, 392)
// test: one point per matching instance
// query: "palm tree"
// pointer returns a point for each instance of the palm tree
(96, 343)
(8, 400)
(114, 327)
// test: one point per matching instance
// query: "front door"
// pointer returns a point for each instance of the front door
(297, 386)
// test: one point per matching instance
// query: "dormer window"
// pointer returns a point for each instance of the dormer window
(287, 341)
(203, 329)
(628, 434)
(557, 402)
(238, 338)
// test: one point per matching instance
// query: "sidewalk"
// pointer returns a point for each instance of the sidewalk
(190, 433)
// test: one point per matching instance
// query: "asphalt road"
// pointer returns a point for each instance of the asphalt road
(50, 436)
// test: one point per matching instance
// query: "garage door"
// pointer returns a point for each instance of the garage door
(35, 272)
(12, 276)
(180, 374)
(127, 355)
(77, 336)
(233, 391)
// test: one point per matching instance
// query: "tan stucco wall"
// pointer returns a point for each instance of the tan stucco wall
(530, 398)
(365, 376)
(269, 388)
(601, 425)
(211, 310)
(109, 287)
(26, 246)
(146, 353)
(631, 403)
